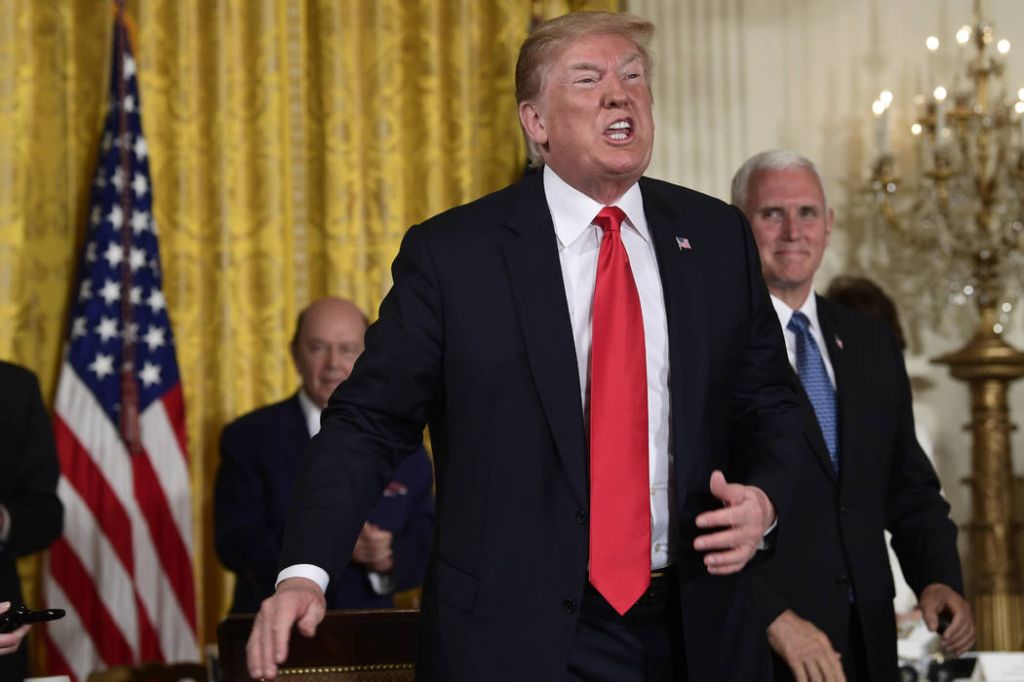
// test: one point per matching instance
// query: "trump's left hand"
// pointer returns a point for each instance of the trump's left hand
(747, 514)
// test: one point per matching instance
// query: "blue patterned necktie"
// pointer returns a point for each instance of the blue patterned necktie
(811, 368)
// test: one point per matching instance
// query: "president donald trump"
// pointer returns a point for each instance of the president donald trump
(606, 386)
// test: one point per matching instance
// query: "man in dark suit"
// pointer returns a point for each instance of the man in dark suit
(31, 514)
(260, 456)
(535, 329)
(828, 588)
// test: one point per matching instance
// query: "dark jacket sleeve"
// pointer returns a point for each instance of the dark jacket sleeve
(30, 495)
(374, 419)
(923, 535)
(766, 405)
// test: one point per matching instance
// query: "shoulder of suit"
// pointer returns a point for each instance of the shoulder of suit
(483, 211)
(854, 322)
(12, 374)
(668, 189)
(266, 417)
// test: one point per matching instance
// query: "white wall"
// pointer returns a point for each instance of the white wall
(734, 77)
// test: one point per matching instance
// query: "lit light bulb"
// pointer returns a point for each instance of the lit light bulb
(1003, 46)
(932, 43)
(940, 93)
(915, 129)
(1019, 107)
(1020, 94)
(877, 108)
(963, 35)
(885, 97)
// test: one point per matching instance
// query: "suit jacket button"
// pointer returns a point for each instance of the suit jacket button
(581, 517)
(569, 606)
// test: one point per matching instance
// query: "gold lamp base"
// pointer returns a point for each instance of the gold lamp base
(988, 364)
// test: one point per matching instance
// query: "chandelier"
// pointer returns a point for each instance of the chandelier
(948, 231)
(947, 237)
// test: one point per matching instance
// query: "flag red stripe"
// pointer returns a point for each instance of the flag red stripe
(174, 405)
(169, 546)
(55, 661)
(81, 472)
(149, 642)
(96, 619)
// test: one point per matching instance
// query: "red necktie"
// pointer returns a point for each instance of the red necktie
(620, 515)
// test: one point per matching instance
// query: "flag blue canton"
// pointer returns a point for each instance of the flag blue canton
(120, 311)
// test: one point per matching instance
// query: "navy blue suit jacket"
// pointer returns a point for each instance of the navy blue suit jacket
(832, 539)
(260, 456)
(475, 338)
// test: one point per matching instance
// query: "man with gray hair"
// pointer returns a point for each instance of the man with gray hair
(828, 589)
(593, 516)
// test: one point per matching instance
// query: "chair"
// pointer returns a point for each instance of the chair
(349, 646)
(152, 672)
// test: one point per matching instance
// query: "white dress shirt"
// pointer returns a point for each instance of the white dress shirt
(810, 310)
(579, 241)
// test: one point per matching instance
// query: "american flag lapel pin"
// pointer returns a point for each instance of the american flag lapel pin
(683, 243)
(839, 342)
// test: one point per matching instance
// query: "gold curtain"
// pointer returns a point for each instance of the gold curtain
(292, 143)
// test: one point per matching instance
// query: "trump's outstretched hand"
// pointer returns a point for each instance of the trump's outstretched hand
(746, 515)
(298, 601)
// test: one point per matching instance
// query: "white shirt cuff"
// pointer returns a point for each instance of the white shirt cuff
(762, 545)
(382, 583)
(309, 571)
(5, 524)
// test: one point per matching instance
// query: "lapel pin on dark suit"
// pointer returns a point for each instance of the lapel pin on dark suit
(683, 243)
(839, 342)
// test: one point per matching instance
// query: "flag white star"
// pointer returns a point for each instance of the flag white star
(114, 254)
(118, 179)
(136, 295)
(102, 365)
(108, 139)
(96, 217)
(137, 259)
(154, 337)
(131, 332)
(150, 374)
(90, 252)
(100, 181)
(156, 300)
(141, 148)
(107, 328)
(78, 327)
(140, 185)
(116, 217)
(110, 292)
(139, 221)
(129, 103)
(85, 290)
(129, 66)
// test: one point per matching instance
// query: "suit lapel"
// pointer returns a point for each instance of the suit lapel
(531, 256)
(841, 368)
(686, 314)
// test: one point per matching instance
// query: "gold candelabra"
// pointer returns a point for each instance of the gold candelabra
(953, 233)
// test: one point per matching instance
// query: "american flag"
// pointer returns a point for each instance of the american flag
(123, 569)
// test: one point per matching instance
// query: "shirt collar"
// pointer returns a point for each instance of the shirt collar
(572, 211)
(310, 411)
(809, 309)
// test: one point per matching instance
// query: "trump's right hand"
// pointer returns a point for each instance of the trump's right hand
(298, 601)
